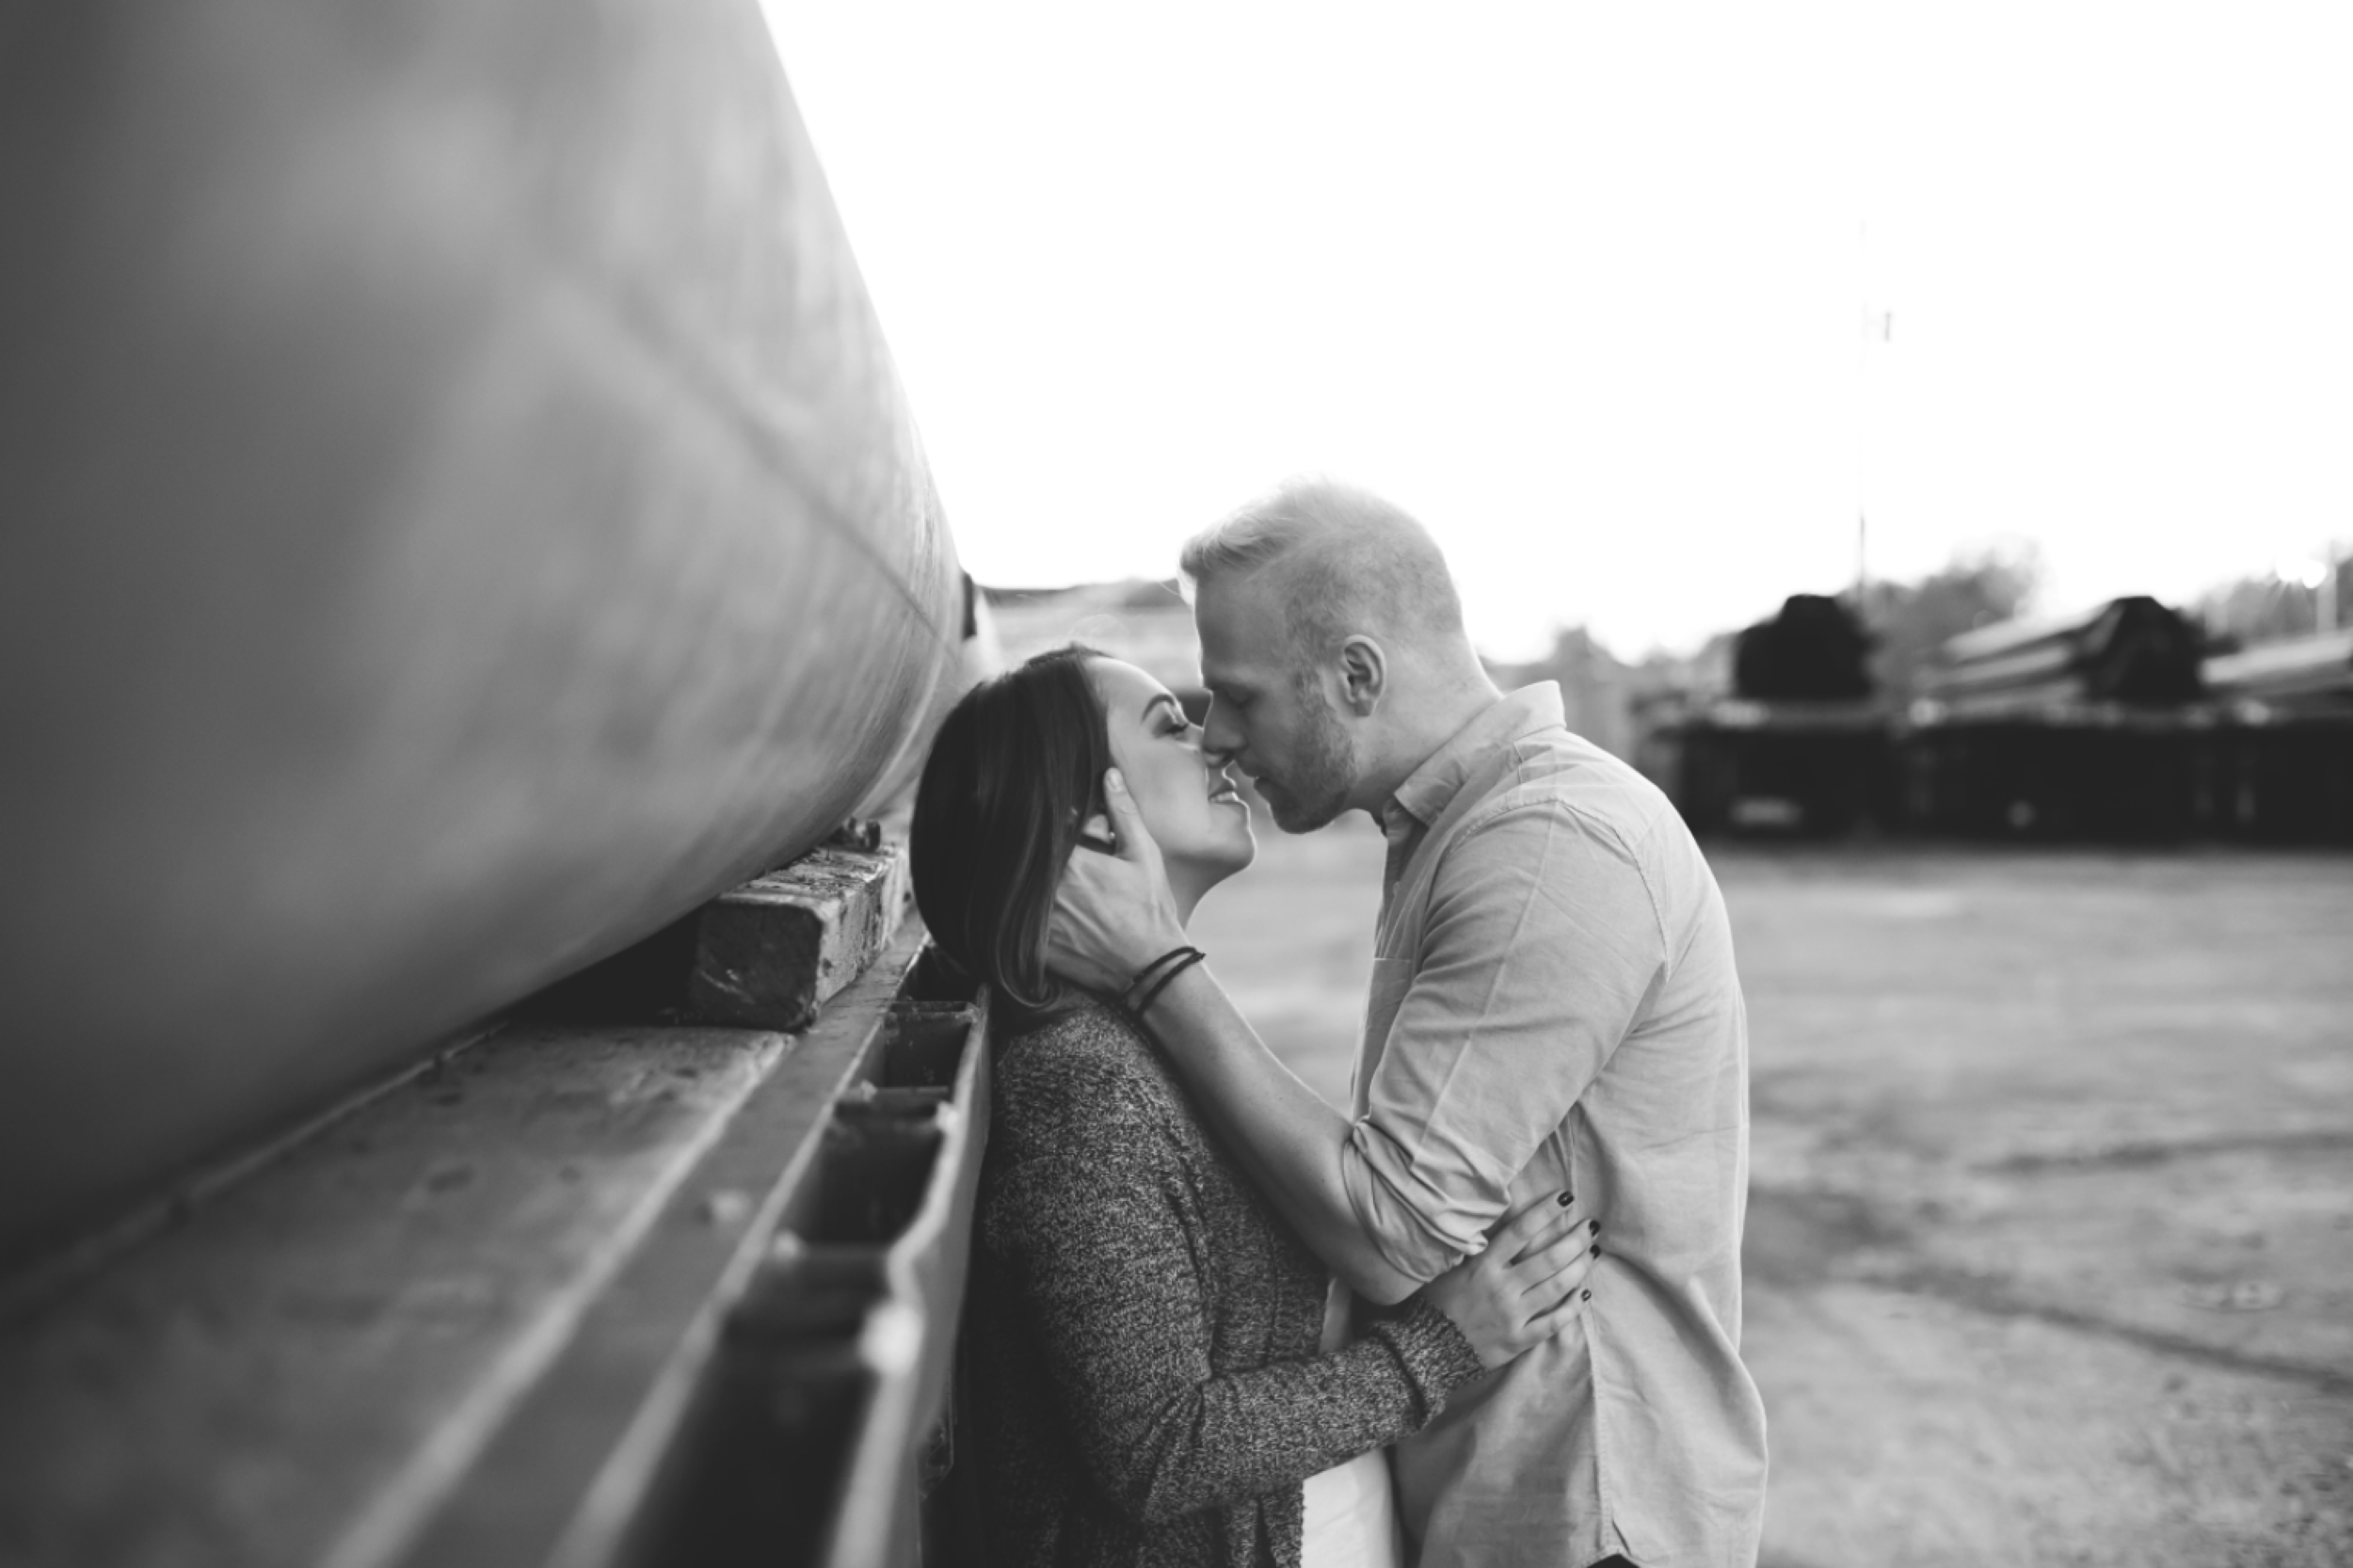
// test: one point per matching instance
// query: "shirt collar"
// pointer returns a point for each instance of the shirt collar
(1431, 788)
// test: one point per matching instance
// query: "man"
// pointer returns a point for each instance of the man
(1554, 1009)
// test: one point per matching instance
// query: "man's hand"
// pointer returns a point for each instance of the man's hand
(1114, 913)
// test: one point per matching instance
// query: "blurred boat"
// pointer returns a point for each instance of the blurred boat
(2280, 768)
(2075, 726)
(2295, 675)
(1814, 650)
(1799, 745)
(2131, 651)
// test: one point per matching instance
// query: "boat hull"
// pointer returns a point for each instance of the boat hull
(460, 513)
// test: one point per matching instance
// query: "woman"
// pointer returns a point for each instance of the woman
(1154, 1379)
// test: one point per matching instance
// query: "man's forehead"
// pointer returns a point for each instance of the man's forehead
(1241, 627)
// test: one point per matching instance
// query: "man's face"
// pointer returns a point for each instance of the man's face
(1269, 711)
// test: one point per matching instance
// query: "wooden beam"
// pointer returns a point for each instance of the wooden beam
(769, 954)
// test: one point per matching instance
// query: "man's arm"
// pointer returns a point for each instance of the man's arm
(1113, 916)
(1541, 947)
(1292, 1143)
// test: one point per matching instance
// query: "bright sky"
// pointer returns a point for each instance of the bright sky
(1584, 286)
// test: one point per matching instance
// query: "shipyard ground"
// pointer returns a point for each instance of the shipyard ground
(2050, 1248)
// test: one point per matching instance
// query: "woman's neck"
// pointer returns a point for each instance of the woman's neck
(1187, 886)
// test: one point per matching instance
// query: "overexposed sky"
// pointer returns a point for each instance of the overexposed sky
(1585, 287)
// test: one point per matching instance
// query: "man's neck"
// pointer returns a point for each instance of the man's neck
(1422, 728)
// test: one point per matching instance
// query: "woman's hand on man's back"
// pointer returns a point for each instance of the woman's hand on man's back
(1527, 1286)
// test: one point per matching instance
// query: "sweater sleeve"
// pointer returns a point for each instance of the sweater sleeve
(1107, 1272)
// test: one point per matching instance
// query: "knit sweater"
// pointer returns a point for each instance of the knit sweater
(1143, 1337)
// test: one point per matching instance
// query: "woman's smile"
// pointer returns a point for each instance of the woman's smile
(1193, 810)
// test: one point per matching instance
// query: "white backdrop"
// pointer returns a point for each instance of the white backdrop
(1589, 287)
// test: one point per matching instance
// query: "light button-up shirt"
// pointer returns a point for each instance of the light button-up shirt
(1554, 1008)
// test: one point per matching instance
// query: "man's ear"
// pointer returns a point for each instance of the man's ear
(1364, 675)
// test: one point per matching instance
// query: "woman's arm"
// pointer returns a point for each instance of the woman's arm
(1104, 1266)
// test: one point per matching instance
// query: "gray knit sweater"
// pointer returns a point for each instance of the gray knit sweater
(1144, 1332)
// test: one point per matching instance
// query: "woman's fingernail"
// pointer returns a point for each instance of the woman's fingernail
(1586, 1296)
(1113, 780)
(1566, 1199)
(1597, 1227)
(1596, 1252)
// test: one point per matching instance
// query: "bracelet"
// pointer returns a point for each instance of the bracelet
(1144, 975)
(1192, 957)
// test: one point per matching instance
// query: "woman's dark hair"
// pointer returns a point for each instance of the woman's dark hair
(1013, 774)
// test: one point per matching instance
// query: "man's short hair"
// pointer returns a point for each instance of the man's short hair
(1348, 561)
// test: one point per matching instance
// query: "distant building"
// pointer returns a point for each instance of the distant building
(1596, 691)
(1148, 624)
(1151, 625)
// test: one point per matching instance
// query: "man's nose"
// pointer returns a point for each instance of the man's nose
(1220, 738)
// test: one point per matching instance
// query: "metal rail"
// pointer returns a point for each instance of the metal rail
(588, 1295)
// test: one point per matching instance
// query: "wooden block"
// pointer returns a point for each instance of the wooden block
(768, 954)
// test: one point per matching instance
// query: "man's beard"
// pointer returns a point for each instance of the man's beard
(1314, 788)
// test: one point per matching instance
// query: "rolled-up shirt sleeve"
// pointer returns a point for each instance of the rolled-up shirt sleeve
(1541, 944)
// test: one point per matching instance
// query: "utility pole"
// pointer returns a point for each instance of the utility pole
(2325, 601)
(1863, 417)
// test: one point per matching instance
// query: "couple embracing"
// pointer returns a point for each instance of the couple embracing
(1490, 1316)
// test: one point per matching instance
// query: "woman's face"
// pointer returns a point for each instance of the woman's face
(1192, 809)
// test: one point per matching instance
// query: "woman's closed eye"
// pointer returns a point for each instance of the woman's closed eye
(1164, 720)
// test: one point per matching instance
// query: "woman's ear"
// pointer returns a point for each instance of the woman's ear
(1095, 833)
(1364, 675)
